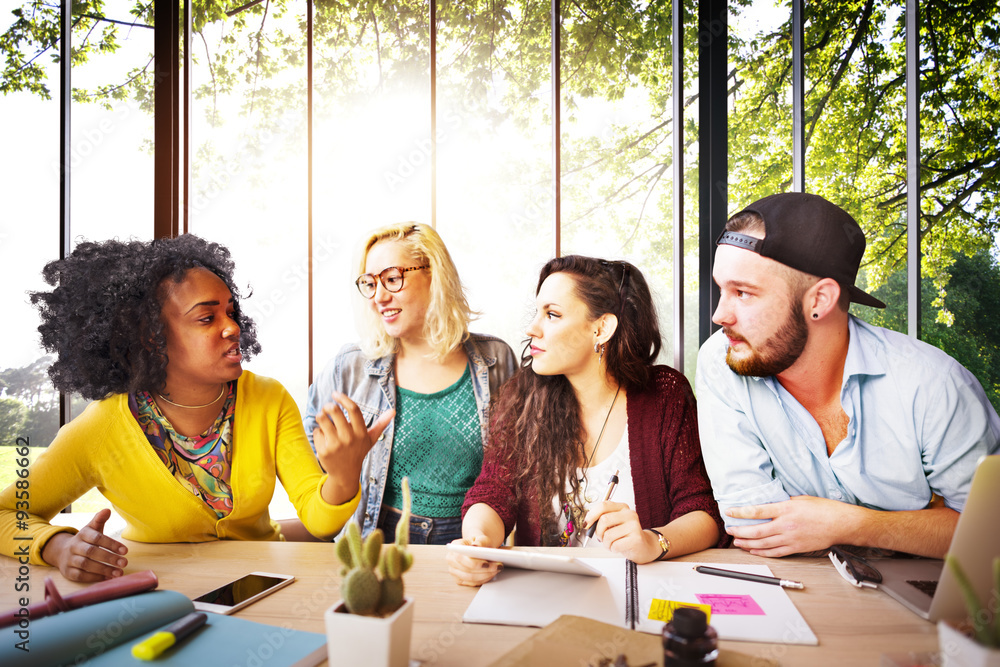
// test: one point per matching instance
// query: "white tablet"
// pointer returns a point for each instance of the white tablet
(528, 560)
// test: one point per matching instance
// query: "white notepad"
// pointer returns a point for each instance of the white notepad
(742, 610)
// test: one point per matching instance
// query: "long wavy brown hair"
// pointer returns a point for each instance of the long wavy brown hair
(538, 419)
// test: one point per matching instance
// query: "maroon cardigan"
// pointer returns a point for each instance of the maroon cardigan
(664, 452)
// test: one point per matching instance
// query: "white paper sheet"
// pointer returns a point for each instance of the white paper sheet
(743, 610)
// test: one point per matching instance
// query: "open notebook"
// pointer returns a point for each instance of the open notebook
(741, 610)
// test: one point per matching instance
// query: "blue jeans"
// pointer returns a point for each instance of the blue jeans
(423, 529)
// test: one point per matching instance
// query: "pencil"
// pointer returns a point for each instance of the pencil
(746, 576)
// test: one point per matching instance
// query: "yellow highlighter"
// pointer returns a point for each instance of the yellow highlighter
(152, 648)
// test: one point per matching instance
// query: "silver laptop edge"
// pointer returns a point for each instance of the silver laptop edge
(974, 545)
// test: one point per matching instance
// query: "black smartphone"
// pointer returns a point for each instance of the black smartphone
(241, 592)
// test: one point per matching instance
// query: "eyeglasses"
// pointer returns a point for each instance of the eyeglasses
(855, 569)
(391, 279)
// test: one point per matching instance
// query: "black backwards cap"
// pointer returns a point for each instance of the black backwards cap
(811, 234)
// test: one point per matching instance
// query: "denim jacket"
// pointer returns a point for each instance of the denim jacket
(371, 383)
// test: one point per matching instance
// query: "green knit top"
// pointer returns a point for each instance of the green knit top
(438, 445)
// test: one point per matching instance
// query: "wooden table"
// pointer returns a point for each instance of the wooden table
(854, 627)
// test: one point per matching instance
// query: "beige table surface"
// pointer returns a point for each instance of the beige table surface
(854, 627)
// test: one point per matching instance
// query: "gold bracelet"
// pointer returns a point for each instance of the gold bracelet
(664, 544)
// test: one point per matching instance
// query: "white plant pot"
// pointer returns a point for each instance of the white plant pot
(353, 640)
(960, 650)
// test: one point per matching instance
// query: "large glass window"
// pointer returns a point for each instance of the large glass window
(372, 147)
(495, 195)
(110, 167)
(617, 143)
(111, 151)
(248, 170)
(760, 122)
(29, 407)
(855, 151)
(959, 206)
(491, 196)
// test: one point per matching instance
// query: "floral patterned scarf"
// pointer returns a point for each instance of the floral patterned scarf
(202, 463)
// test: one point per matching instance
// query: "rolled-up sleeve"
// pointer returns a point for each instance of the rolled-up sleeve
(738, 465)
(958, 426)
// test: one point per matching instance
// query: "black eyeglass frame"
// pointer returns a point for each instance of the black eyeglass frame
(381, 277)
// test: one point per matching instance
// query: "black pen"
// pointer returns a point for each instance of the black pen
(745, 576)
(607, 496)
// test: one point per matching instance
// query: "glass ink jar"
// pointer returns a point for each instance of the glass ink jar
(688, 640)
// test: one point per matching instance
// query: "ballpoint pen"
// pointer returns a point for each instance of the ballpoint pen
(746, 576)
(607, 496)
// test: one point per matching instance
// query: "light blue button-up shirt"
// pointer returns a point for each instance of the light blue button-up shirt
(919, 422)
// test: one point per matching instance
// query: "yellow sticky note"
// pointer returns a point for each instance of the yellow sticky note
(663, 610)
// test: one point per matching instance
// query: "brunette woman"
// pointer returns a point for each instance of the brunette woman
(588, 401)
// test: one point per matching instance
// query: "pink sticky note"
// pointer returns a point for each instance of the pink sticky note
(742, 605)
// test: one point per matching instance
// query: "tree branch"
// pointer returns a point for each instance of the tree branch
(960, 197)
(944, 178)
(845, 62)
(42, 52)
(612, 195)
(131, 24)
(211, 71)
(642, 211)
(104, 92)
(233, 12)
(258, 58)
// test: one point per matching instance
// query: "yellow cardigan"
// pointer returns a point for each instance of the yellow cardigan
(104, 447)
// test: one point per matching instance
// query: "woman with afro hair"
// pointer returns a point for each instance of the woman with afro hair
(183, 442)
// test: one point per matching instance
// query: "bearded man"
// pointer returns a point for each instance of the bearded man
(818, 428)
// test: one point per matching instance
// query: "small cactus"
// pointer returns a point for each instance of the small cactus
(372, 582)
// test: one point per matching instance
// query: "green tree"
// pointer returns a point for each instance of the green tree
(29, 383)
(11, 415)
(973, 291)
(40, 424)
(493, 59)
(855, 124)
(29, 405)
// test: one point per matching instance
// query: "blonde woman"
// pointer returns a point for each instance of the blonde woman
(418, 359)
